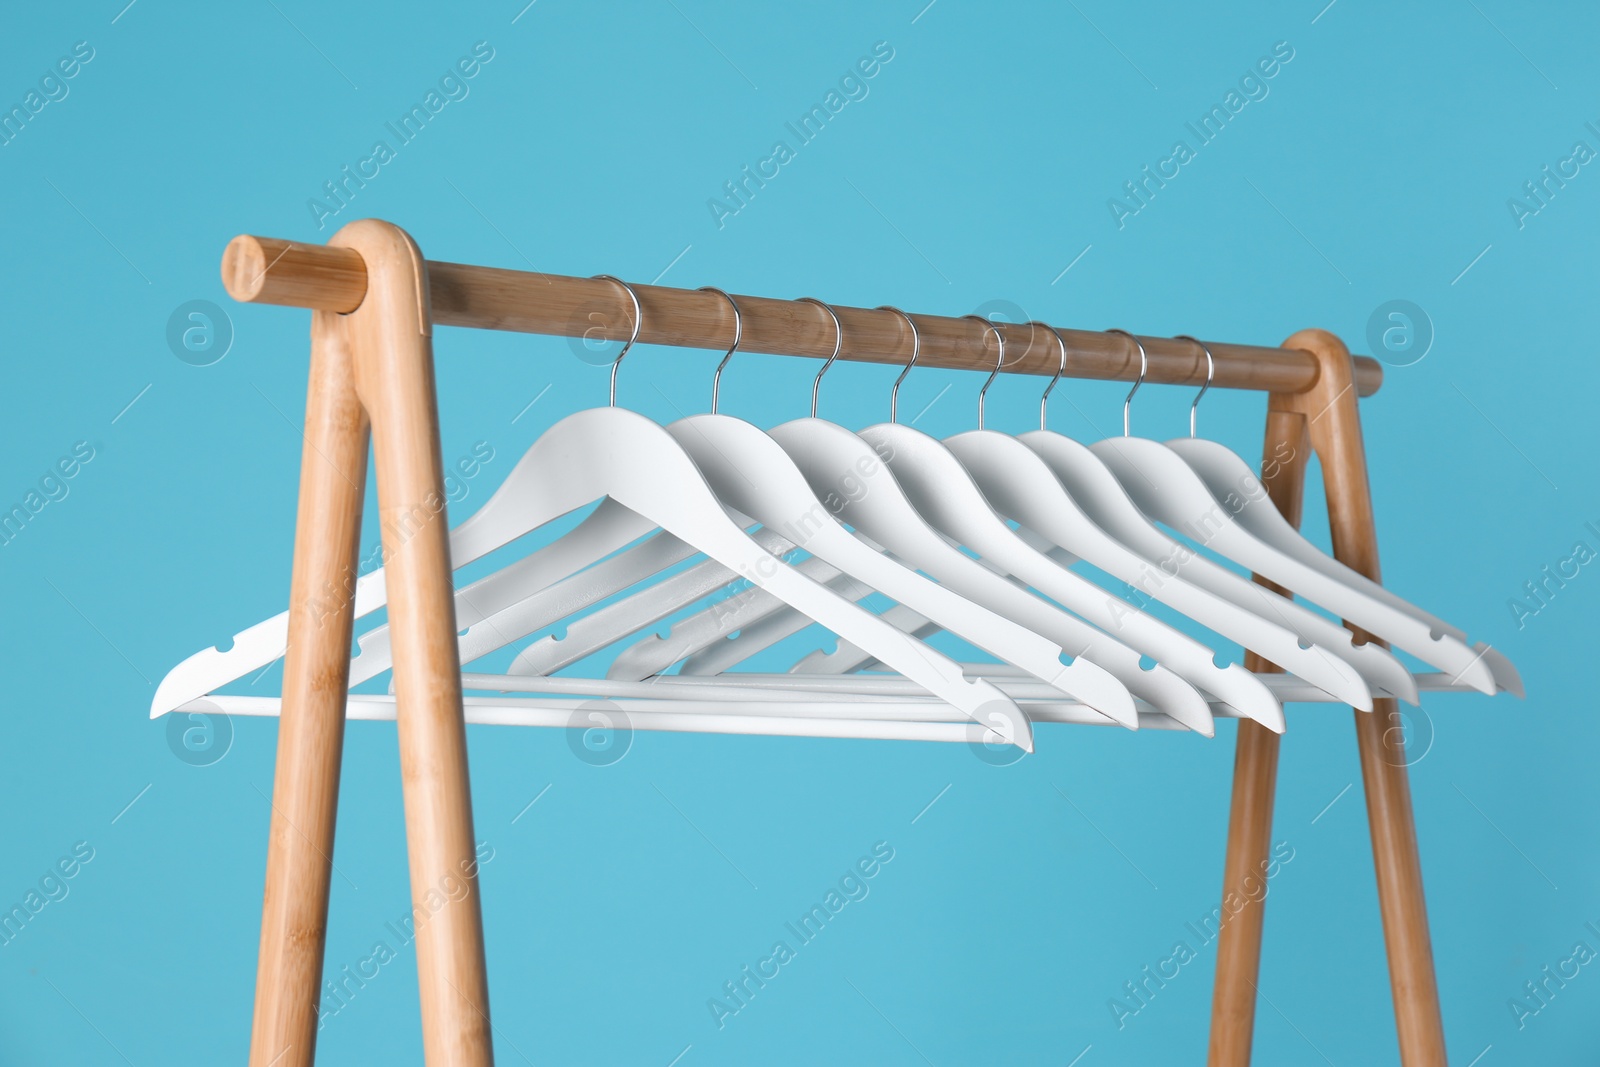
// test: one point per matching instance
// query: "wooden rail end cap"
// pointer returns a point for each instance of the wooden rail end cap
(265, 270)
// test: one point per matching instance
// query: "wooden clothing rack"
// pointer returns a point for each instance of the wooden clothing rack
(374, 301)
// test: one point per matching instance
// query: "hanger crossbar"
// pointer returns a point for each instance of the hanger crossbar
(266, 270)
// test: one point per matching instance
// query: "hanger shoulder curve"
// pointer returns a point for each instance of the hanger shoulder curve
(1064, 523)
(1306, 569)
(845, 472)
(945, 495)
(1148, 469)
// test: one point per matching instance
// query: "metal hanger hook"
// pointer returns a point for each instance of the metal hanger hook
(916, 350)
(1061, 347)
(638, 320)
(1144, 366)
(838, 346)
(738, 334)
(1211, 372)
(1000, 339)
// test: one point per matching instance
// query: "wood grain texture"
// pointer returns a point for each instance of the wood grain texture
(1335, 428)
(392, 349)
(1328, 416)
(265, 270)
(1255, 782)
(268, 270)
(316, 671)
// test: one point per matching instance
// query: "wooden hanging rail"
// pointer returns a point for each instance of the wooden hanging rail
(265, 270)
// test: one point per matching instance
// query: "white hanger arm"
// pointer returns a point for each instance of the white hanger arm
(542, 587)
(707, 644)
(258, 646)
(718, 639)
(1314, 574)
(763, 625)
(1018, 488)
(760, 626)
(253, 649)
(1287, 639)
(704, 641)
(942, 491)
(606, 625)
(1263, 705)
(527, 612)
(1101, 475)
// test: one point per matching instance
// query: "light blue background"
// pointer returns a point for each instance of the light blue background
(978, 168)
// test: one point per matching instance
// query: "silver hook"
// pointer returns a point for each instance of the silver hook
(838, 345)
(1061, 346)
(638, 319)
(1000, 339)
(738, 332)
(1211, 371)
(916, 349)
(1144, 365)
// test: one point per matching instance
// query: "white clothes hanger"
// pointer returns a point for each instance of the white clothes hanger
(1099, 476)
(1221, 469)
(735, 458)
(969, 517)
(754, 477)
(1031, 492)
(946, 497)
(1158, 686)
(610, 452)
(850, 476)
(1027, 490)
(1211, 499)
(711, 654)
(718, 442)
(507, 605)
(751, 473)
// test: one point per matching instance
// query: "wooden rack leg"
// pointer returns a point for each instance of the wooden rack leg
(305, 787)
(1255, 779)
(1329, 413)
(1335, 428)
(390, 335)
